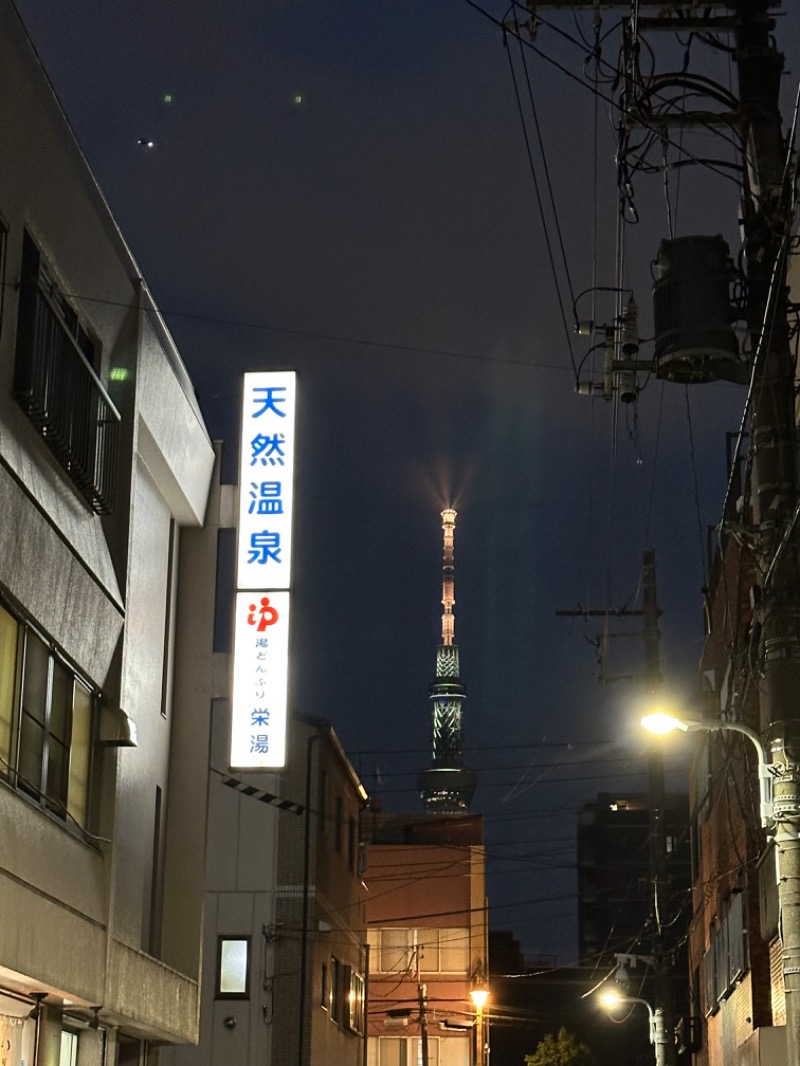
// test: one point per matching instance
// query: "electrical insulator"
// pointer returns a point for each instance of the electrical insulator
(626, 386)
(630, 331)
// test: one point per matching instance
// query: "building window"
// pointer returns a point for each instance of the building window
(46, 719)
(131, 1052)
(233, 967)
(356, 1003)
(68, 1053)
(339, 826)
(351, 844)
(340, 991)
(323, 802)
(170, 597)
(324, 991)
(407, 1051)
(427, 949)
(56, 384)
(157, 876)
(346, 997)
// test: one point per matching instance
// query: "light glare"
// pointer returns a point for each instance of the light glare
(661, 723)
(610, 999)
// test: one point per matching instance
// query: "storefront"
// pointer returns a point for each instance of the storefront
(17, 1031)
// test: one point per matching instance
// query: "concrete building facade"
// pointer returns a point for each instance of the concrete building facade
(105, 467)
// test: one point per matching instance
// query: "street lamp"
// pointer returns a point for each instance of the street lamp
(658, 1033)
(661, 722)
(479, 996)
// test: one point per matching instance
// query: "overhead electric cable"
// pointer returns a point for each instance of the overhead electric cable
(546, 169)
(311, 335)
(653, 127)
(551, 258)
(696, 484)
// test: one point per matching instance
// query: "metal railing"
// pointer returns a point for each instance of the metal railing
(60, 393)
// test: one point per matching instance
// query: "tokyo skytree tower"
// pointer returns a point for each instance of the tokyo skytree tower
(447, 786)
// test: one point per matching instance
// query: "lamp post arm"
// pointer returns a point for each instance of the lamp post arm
(766, 779)
(735, 727)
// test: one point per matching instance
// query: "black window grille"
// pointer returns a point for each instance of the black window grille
(56, 385)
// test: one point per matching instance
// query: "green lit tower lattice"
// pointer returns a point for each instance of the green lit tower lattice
(447, 786)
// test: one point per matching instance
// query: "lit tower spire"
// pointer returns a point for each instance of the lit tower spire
(447, 786)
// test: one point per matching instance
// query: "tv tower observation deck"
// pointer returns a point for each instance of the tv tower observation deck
(447, 786)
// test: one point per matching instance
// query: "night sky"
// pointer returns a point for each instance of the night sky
(345, 189)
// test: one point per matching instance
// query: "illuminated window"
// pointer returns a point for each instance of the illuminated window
(68, 1054)
(407, 1051)
(233, 967)
(426, 949)
(347, 996)
(356, 1009)
(453, 950)
(46, 716)
(395, 952)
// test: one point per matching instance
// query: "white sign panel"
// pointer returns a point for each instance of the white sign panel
(260, 680)
(263, 571)
(266, 481)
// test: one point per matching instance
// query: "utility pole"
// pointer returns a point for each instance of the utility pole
(767, 217)
(422, 993)
(771, 519)
(664, 1007)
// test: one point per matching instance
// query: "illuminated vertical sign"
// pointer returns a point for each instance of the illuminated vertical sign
(263, 571)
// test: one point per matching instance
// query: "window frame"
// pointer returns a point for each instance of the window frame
(71, 803)
(357, 1005)
(57, 383)
(233, 938)
(418, 939)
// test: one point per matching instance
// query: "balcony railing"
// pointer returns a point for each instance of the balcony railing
(58, 390)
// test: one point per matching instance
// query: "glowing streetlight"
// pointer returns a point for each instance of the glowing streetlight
(658, 1035)
(480, 997)
(662, 722)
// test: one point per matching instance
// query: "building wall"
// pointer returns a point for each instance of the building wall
(289, 881)
(729, 960)
(320, 875)
(430, 893)
(83, 906)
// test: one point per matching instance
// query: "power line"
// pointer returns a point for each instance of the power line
(360, 342)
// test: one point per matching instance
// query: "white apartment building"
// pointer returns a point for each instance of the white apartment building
(105, 618)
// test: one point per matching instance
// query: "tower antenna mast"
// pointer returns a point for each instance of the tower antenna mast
(447, 786)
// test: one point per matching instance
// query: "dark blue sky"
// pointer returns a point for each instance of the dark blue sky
(344, 188)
